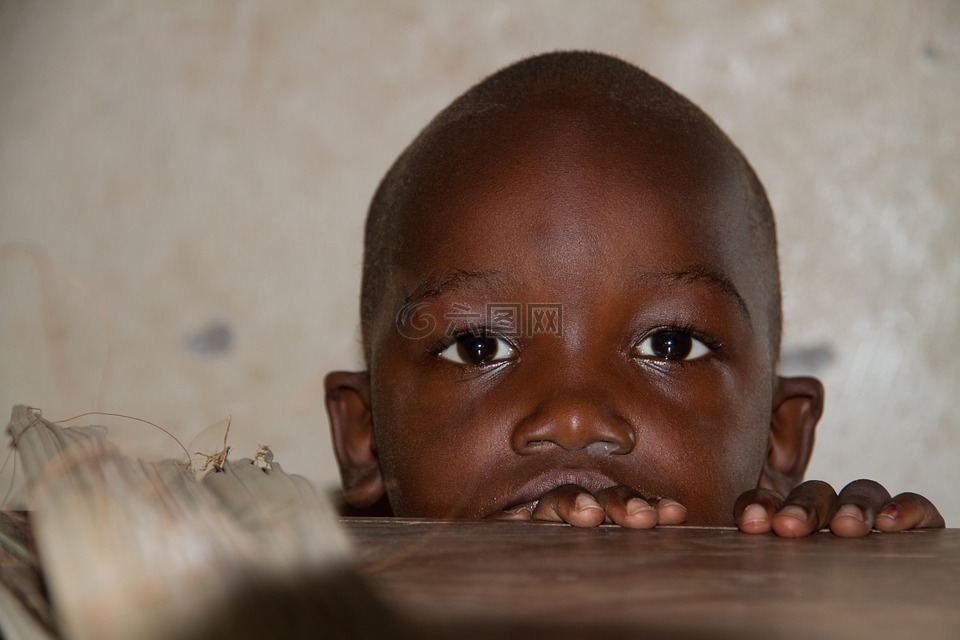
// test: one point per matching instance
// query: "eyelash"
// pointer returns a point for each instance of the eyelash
(689, 329)
(438, 346)
(712, 343)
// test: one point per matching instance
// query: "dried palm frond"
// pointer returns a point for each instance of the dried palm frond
(133, 549)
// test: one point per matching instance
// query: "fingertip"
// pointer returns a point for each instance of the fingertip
(512, 514)
(767, 501)
(790, 528)
(917, 512)
(671, 512)
(587, 512)
(637, 506)
(890, 518)
(585, 502)
(792, 522)
(755, 519)
(587, 519)
(623, 506)
(638, 515)
(849, 522)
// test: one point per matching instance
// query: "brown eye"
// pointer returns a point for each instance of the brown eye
(671, 345)
(477, 349)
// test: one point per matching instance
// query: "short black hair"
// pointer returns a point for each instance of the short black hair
(582, 72)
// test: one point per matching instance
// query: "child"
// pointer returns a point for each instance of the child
(570, 309)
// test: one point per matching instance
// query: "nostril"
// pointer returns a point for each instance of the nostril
(573, 422)
(602, 448)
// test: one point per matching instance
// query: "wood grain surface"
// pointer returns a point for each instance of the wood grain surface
(531, 580)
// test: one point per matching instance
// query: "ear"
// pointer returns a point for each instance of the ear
(797, 407)
(354, 442)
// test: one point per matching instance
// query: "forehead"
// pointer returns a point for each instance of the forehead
(575, 187)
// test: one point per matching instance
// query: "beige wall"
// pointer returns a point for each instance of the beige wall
(182, 188)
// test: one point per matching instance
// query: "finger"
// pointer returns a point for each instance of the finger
(857, 507)
(806, 510)
(627, 508)
(571, 504)
(523, 512)
(909, 511)
(753, 511)
(669, 511)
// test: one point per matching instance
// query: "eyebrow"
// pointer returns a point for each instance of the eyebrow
(696, 274)
(453, 281)
(700, 274)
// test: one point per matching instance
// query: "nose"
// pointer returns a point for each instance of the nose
(574, 421)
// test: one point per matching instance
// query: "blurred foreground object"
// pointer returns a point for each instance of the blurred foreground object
(131, 549)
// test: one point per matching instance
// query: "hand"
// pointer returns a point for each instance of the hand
(621, 505)
(861, 507)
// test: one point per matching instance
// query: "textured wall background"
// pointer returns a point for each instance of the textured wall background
(182, 189)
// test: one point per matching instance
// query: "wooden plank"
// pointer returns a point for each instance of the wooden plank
(519, 579)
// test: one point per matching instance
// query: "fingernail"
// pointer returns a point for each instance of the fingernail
(637, 505)
(528, 507)
(670, 502)
(754, 513)
(849, 511)
(793, 511)
(585, 501)
(891, 511)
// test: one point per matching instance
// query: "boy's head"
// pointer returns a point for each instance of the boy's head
(570, 277)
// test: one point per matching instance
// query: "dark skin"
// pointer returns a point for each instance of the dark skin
(661, 382)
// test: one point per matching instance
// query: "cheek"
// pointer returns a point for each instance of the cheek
(436, 445)
(707, 445)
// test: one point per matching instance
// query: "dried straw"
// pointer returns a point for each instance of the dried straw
(132, 549)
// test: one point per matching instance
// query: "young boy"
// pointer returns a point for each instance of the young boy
(571, 309)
